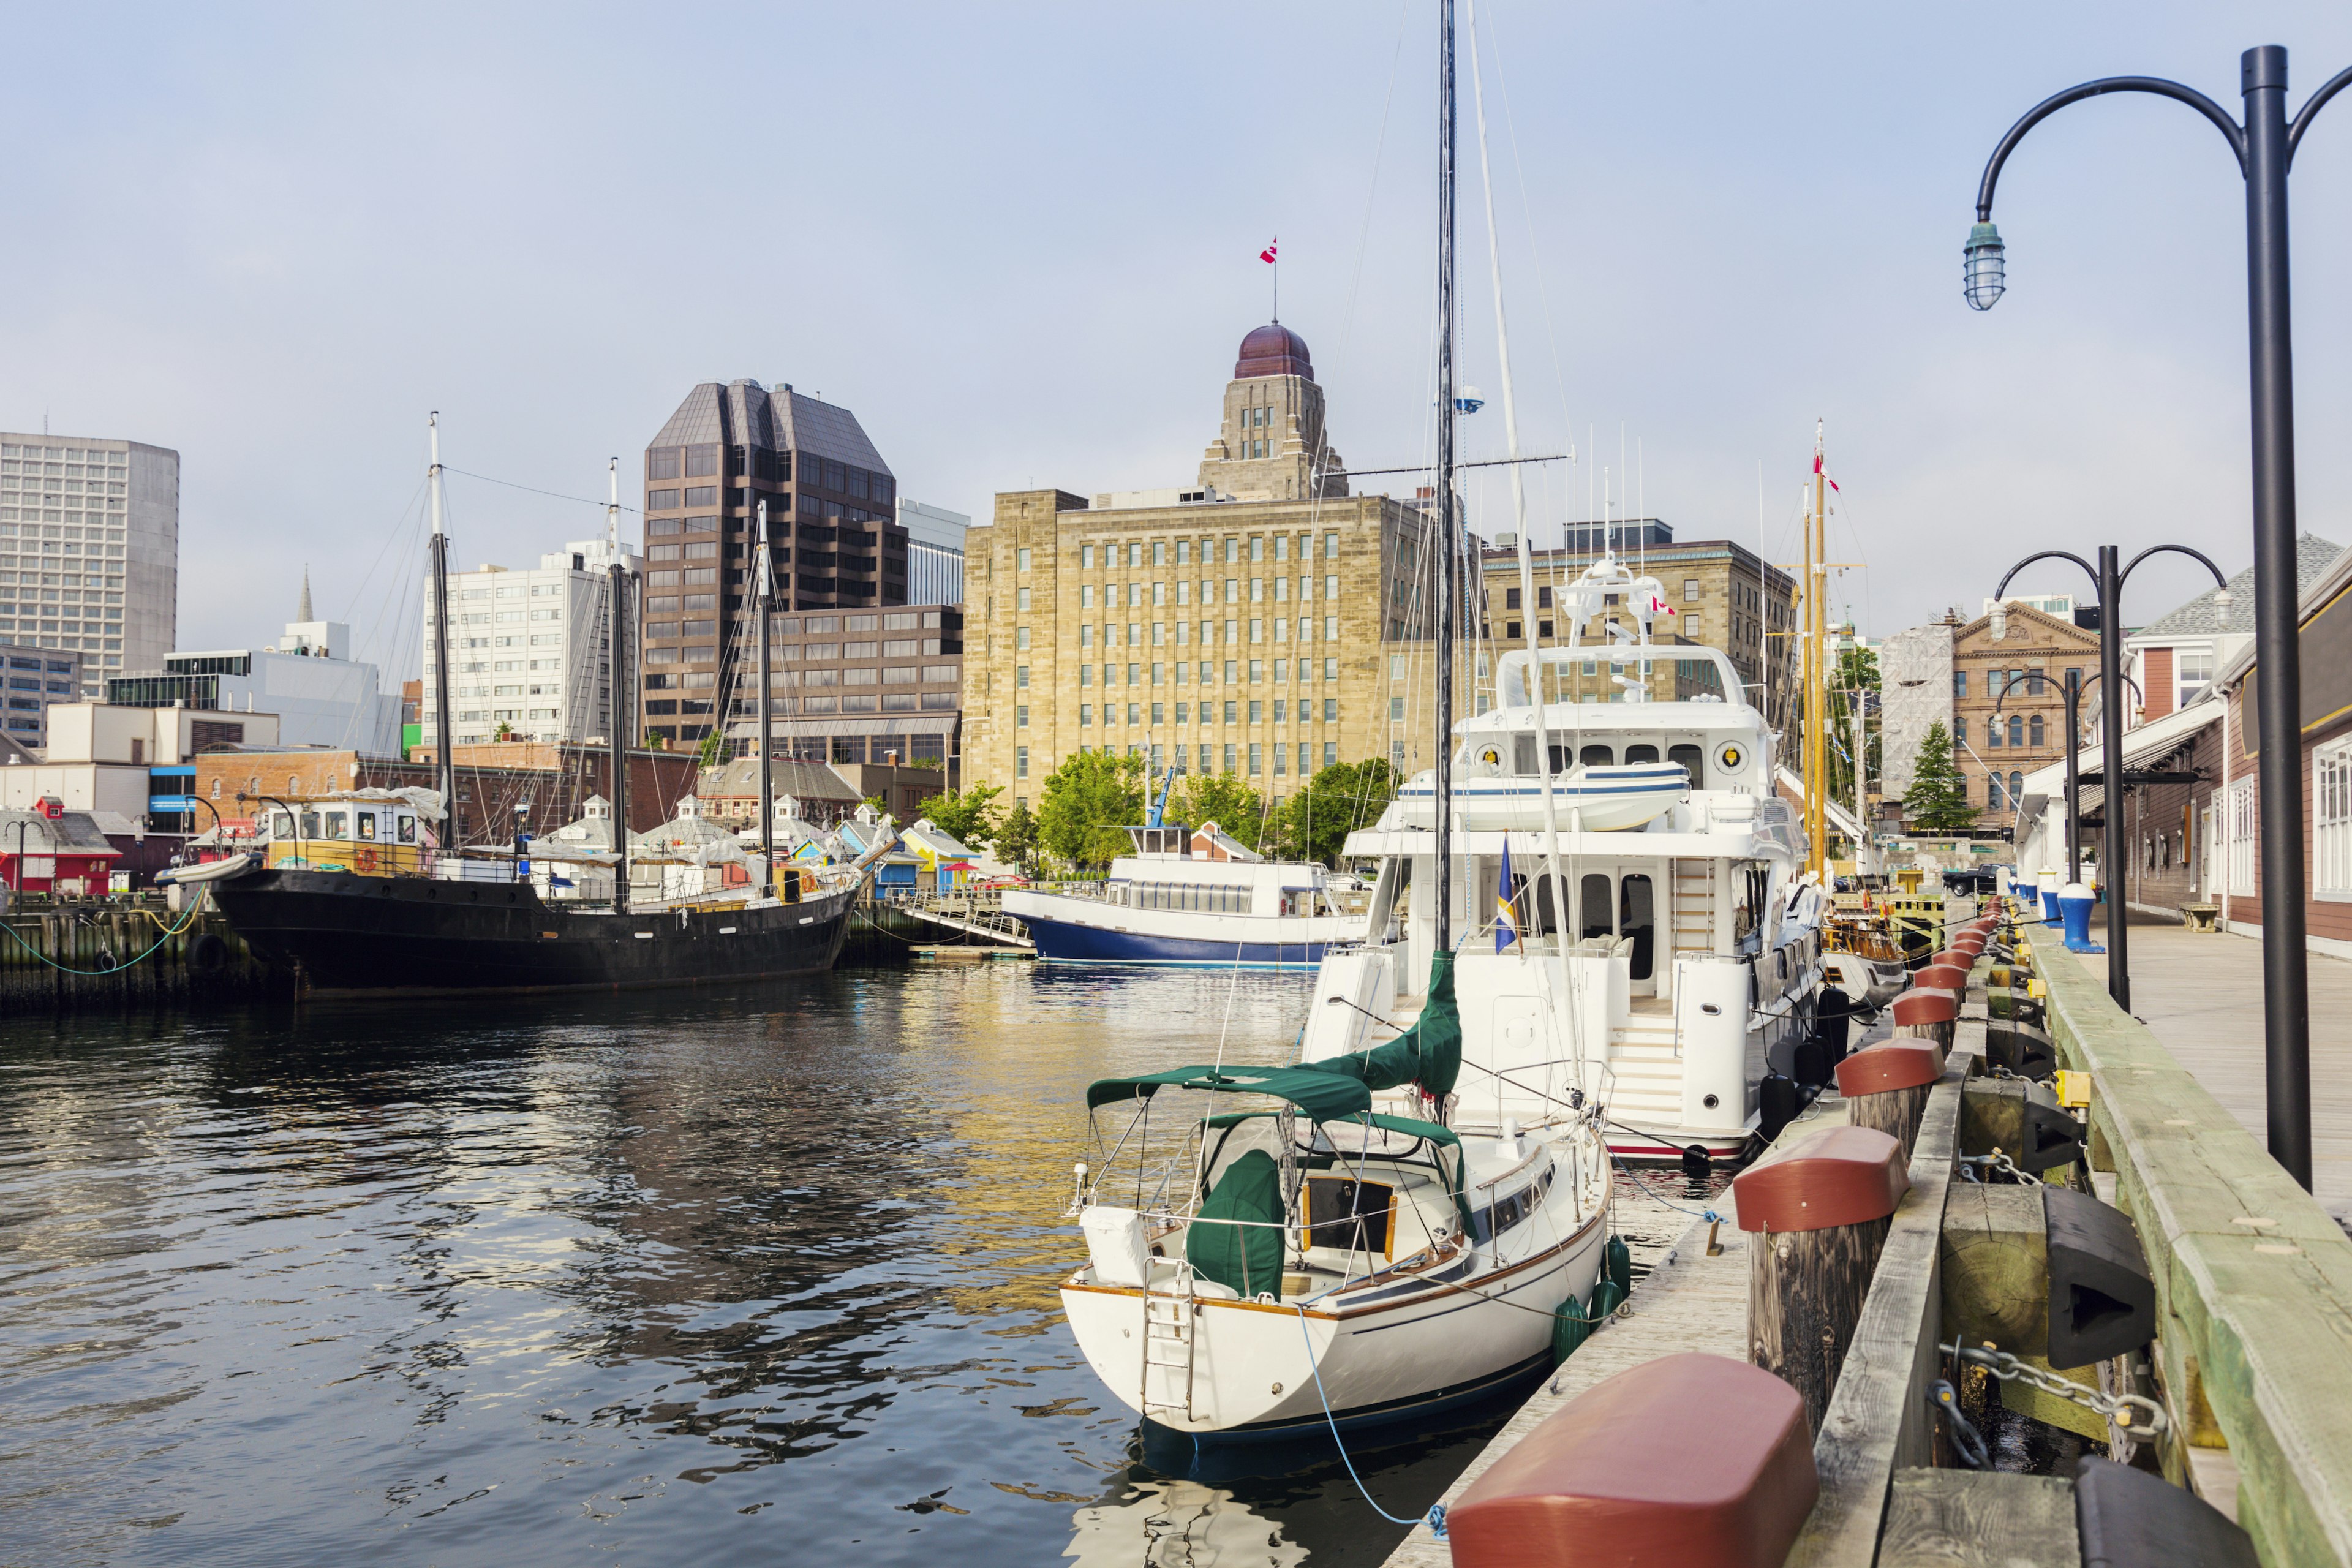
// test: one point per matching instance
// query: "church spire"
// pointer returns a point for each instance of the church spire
(302, 612)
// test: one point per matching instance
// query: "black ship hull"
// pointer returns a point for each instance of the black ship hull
(412, 934)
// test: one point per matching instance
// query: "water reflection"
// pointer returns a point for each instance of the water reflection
(766, 1271)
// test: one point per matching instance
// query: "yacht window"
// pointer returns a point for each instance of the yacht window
(1636, 918)
(1690, 758)
(282, 824)
(407, 828)
(365, 822)
(310, 825)
(1598, 756)
(1523, 755)
(1592, 906)
(1641, 754)
(335, 828)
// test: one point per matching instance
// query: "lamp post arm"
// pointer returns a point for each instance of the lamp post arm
(2155, 84)
(2088, 570)
(2312, 106)
(2220, 581)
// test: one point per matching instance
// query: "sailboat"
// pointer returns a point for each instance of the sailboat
(1346, 1240)
(1862, 954)
(363, 891)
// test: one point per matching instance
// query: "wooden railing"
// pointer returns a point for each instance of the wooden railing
(2253, 1280)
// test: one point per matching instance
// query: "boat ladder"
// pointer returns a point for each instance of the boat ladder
(1168, 1341)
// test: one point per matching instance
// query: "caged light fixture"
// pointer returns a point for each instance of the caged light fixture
(1983, 275)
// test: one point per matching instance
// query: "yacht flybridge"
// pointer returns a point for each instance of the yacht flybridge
(1658, 953)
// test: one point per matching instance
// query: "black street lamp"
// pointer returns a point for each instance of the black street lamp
(2265, 147)
(2108, 578)
(2072, 689)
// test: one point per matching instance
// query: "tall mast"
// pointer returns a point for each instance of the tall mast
(445, 766)
(766, 598)
(1518, 503)
(1443, 775)
(618, 697)
(1817, 708)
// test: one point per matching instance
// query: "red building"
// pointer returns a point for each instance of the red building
(50, 849)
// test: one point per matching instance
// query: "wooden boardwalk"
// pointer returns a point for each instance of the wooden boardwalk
(2201, 995)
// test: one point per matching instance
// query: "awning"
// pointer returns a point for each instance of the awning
(1324, 1096)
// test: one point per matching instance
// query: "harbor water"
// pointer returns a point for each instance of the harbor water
(761, 1274)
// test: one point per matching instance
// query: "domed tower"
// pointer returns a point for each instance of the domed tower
(1272, 445)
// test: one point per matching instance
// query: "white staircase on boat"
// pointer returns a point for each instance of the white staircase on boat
(1647, 1067)
(1690, 912)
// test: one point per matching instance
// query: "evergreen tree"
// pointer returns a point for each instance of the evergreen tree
(1016, 841)
(1938, 799)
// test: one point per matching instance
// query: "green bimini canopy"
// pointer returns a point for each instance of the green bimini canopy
(1323, 1096)
(1244, 1257)
(1428, 1054)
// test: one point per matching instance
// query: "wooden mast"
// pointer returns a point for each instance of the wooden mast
(1817, 716)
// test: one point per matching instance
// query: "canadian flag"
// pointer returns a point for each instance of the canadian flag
(1266, 255)
(1817, 468)
(1659, 606)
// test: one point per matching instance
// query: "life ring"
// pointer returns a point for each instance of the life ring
(363, 858)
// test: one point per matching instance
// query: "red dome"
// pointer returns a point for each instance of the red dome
(1274, 349)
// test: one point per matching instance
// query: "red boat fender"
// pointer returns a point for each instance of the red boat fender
(1613, 1476)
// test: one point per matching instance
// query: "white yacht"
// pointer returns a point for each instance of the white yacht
(1190, 896)
(1688, 962)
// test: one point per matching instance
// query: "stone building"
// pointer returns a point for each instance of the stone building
(1241, 626)
(2009, 707)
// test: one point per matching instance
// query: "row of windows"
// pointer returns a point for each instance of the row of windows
(1233, 632)
(1134, 593)
(1209, 755)
(787, 707)
(2028, 682)
(1308, 670)
(2020, 730)
(1184, 551)
(1208, 712)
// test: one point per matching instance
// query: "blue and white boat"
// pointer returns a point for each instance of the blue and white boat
(1191, 897)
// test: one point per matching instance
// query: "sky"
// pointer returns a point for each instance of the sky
(1022, 246)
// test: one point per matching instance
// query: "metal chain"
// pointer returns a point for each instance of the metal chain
(2001, 1162)
(2134, 1412)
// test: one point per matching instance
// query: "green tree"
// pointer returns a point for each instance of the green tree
(1222, 798)
(1938, 799)
(1016, 841)
(707, 754)
(1086, 805)
(969, 816)
(1334, 802)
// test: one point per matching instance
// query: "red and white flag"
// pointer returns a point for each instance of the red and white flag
(1266, 255)
(1658, 605)
(1817, 468)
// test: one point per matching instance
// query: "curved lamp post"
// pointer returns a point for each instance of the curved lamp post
(2108, 578)
(2264, 146)
(2072, 690)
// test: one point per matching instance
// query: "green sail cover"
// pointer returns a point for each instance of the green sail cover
(1245, 1257)
(1429, 1054)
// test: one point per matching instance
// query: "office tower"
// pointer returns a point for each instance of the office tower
(90, 550)
(529, 650)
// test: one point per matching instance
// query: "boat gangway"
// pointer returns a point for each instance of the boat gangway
(976, 912)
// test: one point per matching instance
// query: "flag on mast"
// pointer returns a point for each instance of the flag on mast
(1506, 926)
(1817, 468)
(1267, 255)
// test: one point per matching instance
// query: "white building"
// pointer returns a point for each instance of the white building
(134, 761)
(934, 552)
(530, 650)
(89, 550)
(320, 695)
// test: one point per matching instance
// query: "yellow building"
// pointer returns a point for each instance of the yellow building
(1241, 625)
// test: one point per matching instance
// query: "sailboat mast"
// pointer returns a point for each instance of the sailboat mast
(1817, 715)
(1442, 777)
(445, 767)
(618, 699)
(767, 609)
(1518, 498)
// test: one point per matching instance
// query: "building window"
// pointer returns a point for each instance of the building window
(1021, 716)
(2016, 790)
(1024, 558)
(1690, 589)
(2194, 672)
(2240, 818)
(1256, 759)
(2035, 731)
(1330, 753)
(2017, 730)
(1022, 602)
(1020, 761)
(1021, 637)
(1085, 715)
(2331, 821)
(1992, 791)
(1396, 710)
(1959, 683)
